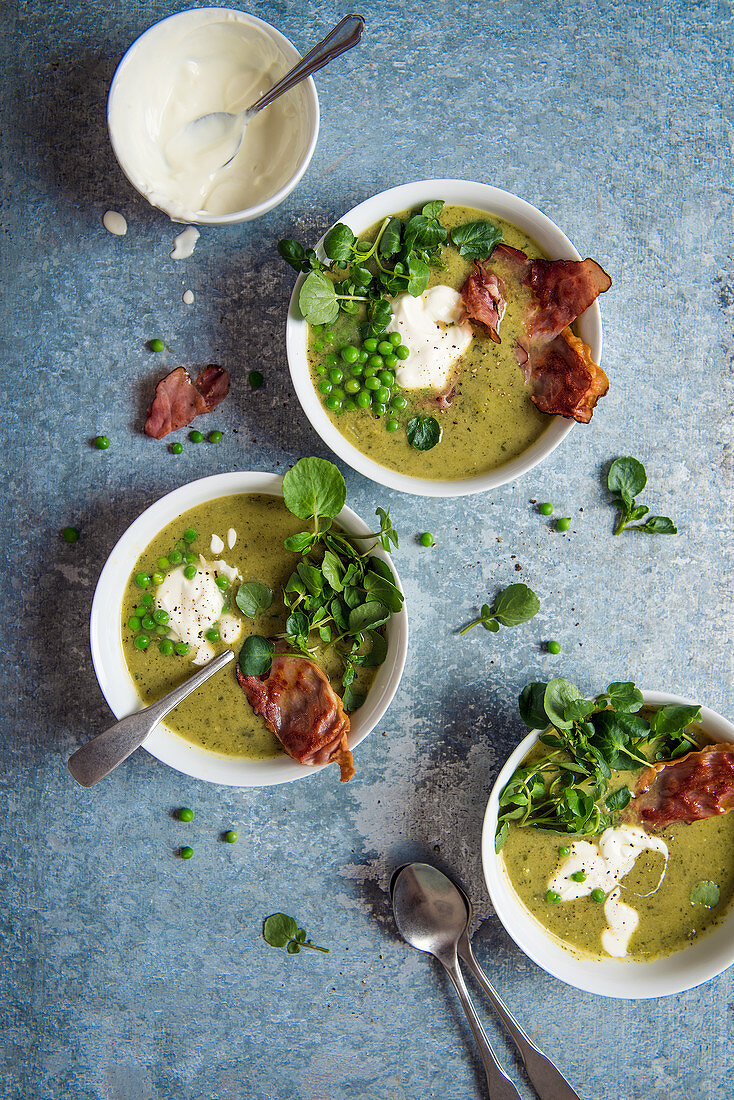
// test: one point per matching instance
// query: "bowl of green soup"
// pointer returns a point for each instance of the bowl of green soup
(405, 389)
(223, 539)
(594, 860)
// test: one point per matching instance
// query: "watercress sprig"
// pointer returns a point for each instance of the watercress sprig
(280, 930)
(626, 480)
(516, 604)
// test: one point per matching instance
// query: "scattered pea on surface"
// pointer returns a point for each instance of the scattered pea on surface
(190, 559)
(597, 895)
(546, 509)
(181, 648)
(185, 814)
(166, 647)
(230, 836)
(142, 641)
(147, 622)
(392, 425)
(157, 578)
(176, 448)
(175, 557)
(578, 876)
(157, 345)
(212, 635)
(190, 535)
(255, 379)
(160, 617)
(552, 897)
(215, 436)
(563, 524)
(554, 647)
(196, 436)
(186, 853)
(134, 622)
(70, 534)
(564, 851)
(101, 442)
(163, 564)
(190, 572)
(426, 539)
(142, 580)
(146, 599)
(222, 582)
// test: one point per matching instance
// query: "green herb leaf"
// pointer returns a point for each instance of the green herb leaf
(559, 694)
(293, 253)
(339, 242)
(433, 209)
(380, 314)
(314, 488)
(657, 525)
(705, 893)
(368, 615)
(501, 836)
(300, 543)
(256, 656)
(624, 697)
(278, 929)
(390, 240)
(253, 597)
(618, 799)
(476, 240)
(332, 570)
(531, 706)
(627, 478)
(418, 275)
(311, 577)
(351, 699)
(423, 234)
(671, 720)
(317, 300)
(423, 432)
(490, 624)
(516, 604)
(376, 654)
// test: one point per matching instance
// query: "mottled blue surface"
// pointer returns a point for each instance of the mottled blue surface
(129, 974)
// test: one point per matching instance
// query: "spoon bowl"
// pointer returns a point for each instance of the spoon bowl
(429, 910)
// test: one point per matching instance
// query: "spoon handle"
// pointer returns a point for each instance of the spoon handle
(344, 36)
(498, 1083)
(103, 753)
(546, 1079)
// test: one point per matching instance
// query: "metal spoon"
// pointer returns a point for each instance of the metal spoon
(431, 915)
(222, 126)
(104, 752)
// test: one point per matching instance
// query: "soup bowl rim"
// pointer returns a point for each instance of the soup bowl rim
(116, 683)
(619, 978)
(492, 200)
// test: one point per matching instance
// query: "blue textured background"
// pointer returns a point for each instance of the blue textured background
(129, 974)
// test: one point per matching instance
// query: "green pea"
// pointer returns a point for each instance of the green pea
(255, 379)
(350, 354)
(101, 442)
(426, 539)
(387, 377)
(379, 409)
(134, 622)
(156, 345)
(164, 564)
(395, 339)
(402, 351)
(333, 402)
(222, 582)
(370, 344)
(318, 345)
(140, 611)
(324, 386)
(336, 375)
(352, 386)
(564, 851)
(331, 360)
(363, 355)
(349, 404)
(212, 635)
(370, 372)
(176, 448)
(142, 641)
(376, 361)
(161, 631)
(383, 395)
(319, 369)
(181, 648)
(356, 370)
(70, 534)
(175, 557)
(391, 361)
(399, 401)
(185, 814)
(554, 647)
(166, 647)
(552, 897)
(372, 383)
(392, 425)
(563, 524)
(546, 509)
(190, 558)
(160, 616)
(196, 436)
(364, 399)
(157, 578)
(230, 836)
(597, 895)
(186, 853)
(142, 580)
(215, 436)
(190, 535)
(329, 337)
(190, 572)
(385, 347)
(147, 622)
(578, 876)
(147, 600)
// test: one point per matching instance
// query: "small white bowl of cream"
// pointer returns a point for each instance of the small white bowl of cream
(192, 64)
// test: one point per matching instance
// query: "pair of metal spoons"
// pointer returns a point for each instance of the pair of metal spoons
(433, 914)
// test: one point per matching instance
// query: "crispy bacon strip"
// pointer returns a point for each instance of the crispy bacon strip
(178, 400)
(484, 299)
(302, 709)
(695, 787)
(564, 378)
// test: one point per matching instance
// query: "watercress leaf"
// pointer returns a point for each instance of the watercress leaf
(297, 625)
(253, 597)
(377, 565)
(301, 935)
(367, 615)
(382, 590)
(550, 739)
(491, 625)
(626, 477)
(501, 836)
(339, 242)
(423, 432)
(515, 604)
(380, 314)
(618, 799)
(387, 534)
(331, 567)
(293, 253)
(311, 577)
(625, 697)
(348, 675)
(352, 700)
(339, 613)
(300, 543)
(418, 275)
(423, 234)
(578, 709)
(317, 300)
(279, 929)
(293, 948)
(670, 720)
(532, 711)
(256, 655)
(657, 525)
(602, 767)
(638, 512)
(295, 585)
(314, 487)
(433, 209)
(476, 240)
(390, 239)
(705, 893)
(325, 632)
(377, 653)
(559, 693)
(353, 596)
(348, 306)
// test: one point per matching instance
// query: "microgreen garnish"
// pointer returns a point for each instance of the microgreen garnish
(705, 893)
(253, 597)
(337, 596)
(423, 432)
(280, 930)
(516, 604)
(626, 480)
(476, 240)
(567, 790)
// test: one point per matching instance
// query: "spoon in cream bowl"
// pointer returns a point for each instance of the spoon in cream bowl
(433, 915)
(216, 138)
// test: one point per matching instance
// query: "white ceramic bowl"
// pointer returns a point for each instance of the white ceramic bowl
(129, 99)
(409, 195)
(115, 680)
(630, 980)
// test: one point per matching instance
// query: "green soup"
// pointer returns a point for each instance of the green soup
(218, 716)
(491, 419)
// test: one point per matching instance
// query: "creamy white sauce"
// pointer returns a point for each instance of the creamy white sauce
(204, 653)
(188, 298)
(230, 628)
(213, 61)
(605, 865)
(434, 328)
(114, 223)
(185, 243)
(196, 605)
(220, 567)
(216, 545)
(231, 537)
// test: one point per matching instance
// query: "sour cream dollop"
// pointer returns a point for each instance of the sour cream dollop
(434, 328)
(196, 605)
